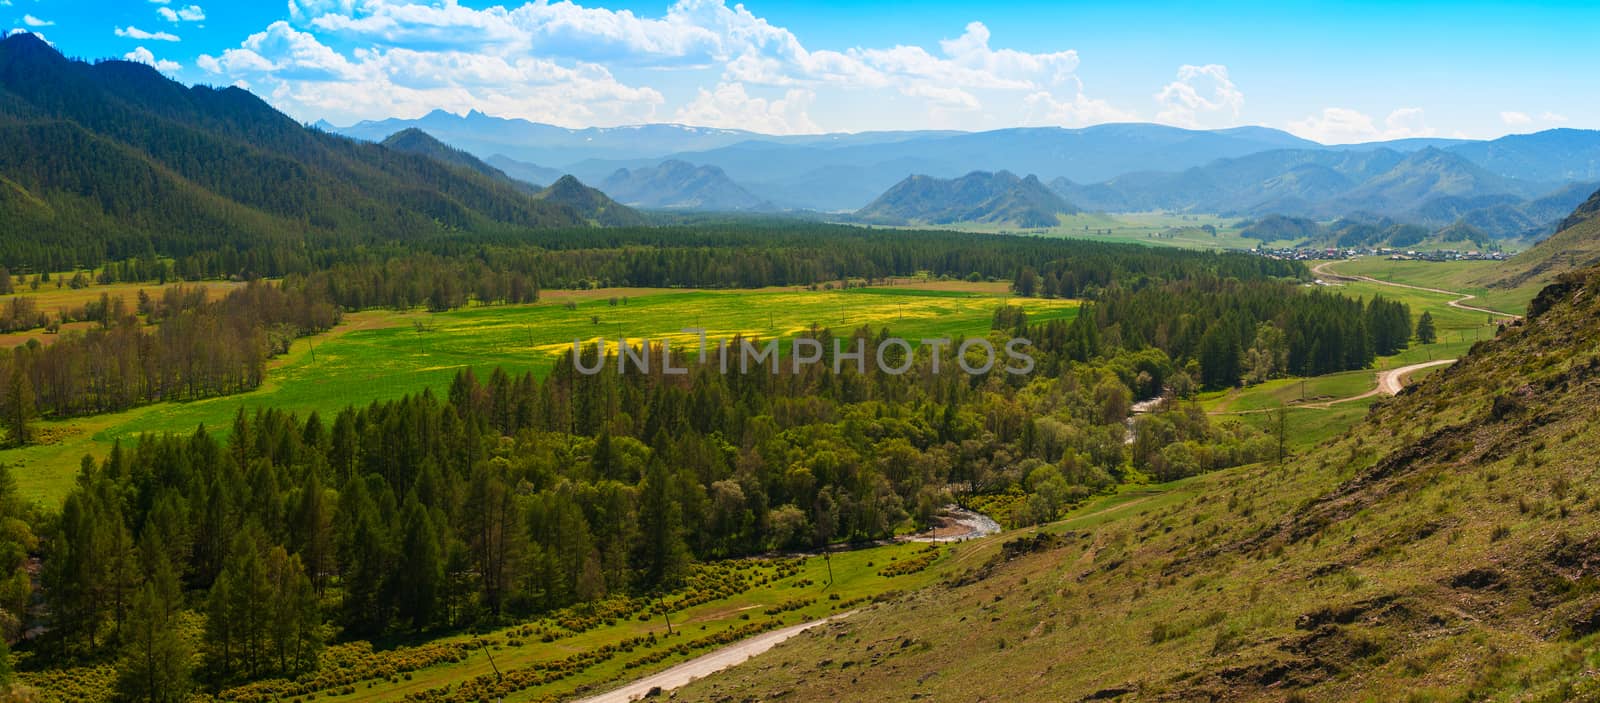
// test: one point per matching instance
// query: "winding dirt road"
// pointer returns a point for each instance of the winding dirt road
(1322, 271)
(1388, 383)
(705, 665)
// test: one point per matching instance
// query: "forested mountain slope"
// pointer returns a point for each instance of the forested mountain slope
(1445, 547)
(112, 160)
(416, 141)
(979, 196)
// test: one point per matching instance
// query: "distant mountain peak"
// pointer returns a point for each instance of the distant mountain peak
(594, 205)
(980, 196)
(679, 185)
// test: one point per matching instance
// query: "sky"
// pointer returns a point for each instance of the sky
(1332, 72)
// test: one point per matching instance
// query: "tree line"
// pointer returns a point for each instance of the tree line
(712, 255)
(1236, 331)
(187, 347)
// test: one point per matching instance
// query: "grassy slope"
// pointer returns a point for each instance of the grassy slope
(1463, 276)
(1443, 548)
(378, 355)
(1575, 247)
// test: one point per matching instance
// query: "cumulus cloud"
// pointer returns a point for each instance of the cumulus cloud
(132, 32)
(1044, 108)
(32, 21)
(1338, 125)
(305, 76)
(191, 13)
(1515, 118)
(143, 55)
(408, 42)
(730, 106)
(1199, 93)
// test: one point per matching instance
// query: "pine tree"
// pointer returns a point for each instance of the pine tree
(662, 555)
(154, 665)
(1426, 334)
(420, 576)
(17, 404)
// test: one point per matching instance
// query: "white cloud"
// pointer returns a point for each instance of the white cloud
(1338, 125)
(136, 33)
(143, 55)
(32, 21)
(731, 107)
(1523, 119)
(1044, 108)
(726, 41)
(304, 76)
(1198, 92)
(160, 2)
(1515, 118)
(191, 13)
(20, 30)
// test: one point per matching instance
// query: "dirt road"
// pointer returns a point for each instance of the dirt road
(1322, 271)
(1389, 383)
(700, 667)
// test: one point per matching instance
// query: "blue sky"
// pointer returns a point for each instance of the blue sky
(1332, 72)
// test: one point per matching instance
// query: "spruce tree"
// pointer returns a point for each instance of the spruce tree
(1426, 334)
(155, 659)
(17, 404)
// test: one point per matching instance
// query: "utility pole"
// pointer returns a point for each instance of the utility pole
(485, 647)
(827, 552)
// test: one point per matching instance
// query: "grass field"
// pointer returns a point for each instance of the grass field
(1445, 275)
(1149, 228)
(383, 355)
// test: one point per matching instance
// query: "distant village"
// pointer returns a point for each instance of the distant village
(1391, 253)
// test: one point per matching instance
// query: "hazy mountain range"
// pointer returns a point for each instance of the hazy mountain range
(679, 185)
(1513, 186)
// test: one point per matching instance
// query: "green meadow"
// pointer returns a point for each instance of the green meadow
(384, 355)
(1184, 231)
(1447, 275)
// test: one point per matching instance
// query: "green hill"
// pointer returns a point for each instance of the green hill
(594, 206)
(1000, 198)
(1445, 548)
(1575, 245)
(674, 184)
(111, 160)
(416, 141)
